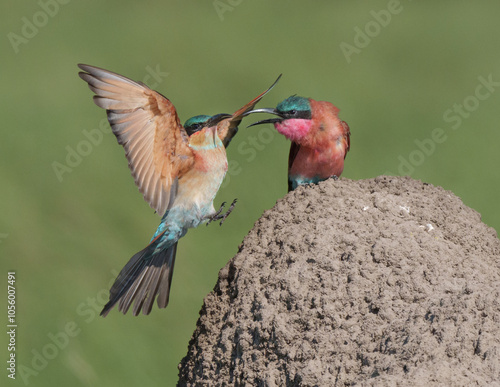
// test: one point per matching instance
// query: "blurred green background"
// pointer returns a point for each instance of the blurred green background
(395, 69)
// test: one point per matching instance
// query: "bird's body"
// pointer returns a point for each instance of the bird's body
(150, 271)
(196, 189)
(179, 171)
(320, 140)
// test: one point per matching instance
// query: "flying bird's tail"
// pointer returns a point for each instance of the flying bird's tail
(147, 274)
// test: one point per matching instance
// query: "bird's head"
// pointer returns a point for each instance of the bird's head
(294, 117)
(195, 124)
(202, 129)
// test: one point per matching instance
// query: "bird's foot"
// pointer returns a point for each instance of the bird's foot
(219, 216)
(335, 177)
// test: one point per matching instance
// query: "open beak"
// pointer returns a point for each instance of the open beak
(269, 120)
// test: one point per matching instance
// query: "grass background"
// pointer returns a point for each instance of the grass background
(67, 239)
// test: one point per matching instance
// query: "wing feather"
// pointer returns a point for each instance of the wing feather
(347, 136)
(146, 124)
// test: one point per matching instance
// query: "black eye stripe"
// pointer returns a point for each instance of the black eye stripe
(193, 128)
(304, 114)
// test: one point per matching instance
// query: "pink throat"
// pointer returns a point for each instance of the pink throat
(294, 128)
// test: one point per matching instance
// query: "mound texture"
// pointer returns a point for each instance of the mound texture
(387, 281)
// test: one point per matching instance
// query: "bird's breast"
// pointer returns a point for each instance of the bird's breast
(321, 163)
(198, 187)
(211, 161)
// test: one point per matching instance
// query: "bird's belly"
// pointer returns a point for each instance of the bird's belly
(317, 165)
(196, 193)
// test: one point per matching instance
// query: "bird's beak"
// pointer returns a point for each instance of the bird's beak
(269, 120)
(214, 120)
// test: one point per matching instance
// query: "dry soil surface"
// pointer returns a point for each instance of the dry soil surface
(380, 282)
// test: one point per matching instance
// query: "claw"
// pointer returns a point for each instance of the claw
(218, 216)
(229, 210)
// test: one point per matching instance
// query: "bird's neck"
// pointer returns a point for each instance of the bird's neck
(295, 129)
(205, 139)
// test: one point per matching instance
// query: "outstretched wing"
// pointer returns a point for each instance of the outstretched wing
(147, 126)
(228, 128)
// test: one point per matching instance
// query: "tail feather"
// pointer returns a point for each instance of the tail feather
(152, 281)
(146, 275)
(166, 277)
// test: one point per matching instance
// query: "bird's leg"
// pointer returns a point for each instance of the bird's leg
(219, 216)
(335, 177)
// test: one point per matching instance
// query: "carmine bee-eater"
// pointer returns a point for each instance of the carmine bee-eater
(178, 170)
(320, 140)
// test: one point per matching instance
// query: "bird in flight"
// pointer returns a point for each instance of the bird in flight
(177, 168)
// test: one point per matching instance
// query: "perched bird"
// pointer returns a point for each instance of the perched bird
(178, 170)
(320, 140)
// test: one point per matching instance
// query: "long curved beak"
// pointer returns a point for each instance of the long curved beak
(269, 120)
